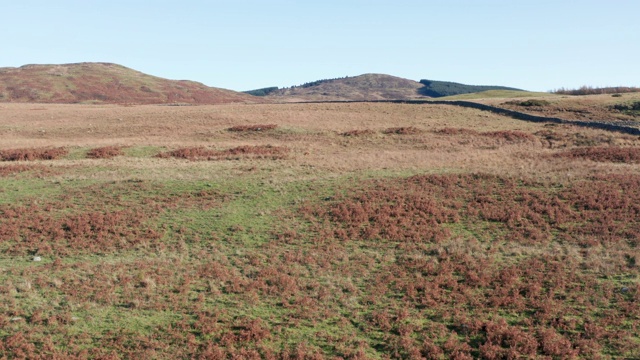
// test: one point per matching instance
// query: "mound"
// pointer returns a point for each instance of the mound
(357, 88)
(105, 83)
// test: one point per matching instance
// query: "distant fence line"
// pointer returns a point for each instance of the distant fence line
(633, 130)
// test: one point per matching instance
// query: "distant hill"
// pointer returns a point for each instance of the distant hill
(363, 87)
(105, 83)
(436, 89)
(371, 87)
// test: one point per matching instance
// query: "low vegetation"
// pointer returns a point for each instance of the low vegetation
(506, 135)
(105, 83)
(248, 128)
(403, 130)
(437, 89)
(105, 152)
(476, 236)
(33, 154)
(262, 92)
(240, 152)
(529, 103)
(355, 133)
(629, 108)
(590, 90)
(604, 154)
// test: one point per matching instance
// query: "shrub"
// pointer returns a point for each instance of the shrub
(456, 131)
(632, 107)
(15, 169)
(33, 154)
(529, 103)
(410, 130)
(106, 152)
(192, 153)
(506, 135)
(604, 154)
(246, 151)
(357, 133)
(257, 151)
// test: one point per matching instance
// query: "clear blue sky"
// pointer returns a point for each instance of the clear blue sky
(247, 44)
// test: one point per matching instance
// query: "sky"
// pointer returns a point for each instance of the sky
(537, 45)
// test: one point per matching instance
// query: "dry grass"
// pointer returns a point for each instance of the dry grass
(452, 139)
(604, 154)
(587, 108)
(236, 153)
(403, 130)
(31, 154)
(355, 133)
(470, 238)
(105, 152)
(253, 128)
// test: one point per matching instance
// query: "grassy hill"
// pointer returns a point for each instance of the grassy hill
(376, 87)
(434, 88)
(363, 87)
(105, 83)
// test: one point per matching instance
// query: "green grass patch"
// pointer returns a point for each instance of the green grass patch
(143, 151)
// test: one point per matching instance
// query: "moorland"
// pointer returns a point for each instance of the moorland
(319, 230)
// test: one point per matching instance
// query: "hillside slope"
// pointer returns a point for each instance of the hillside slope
(105, 83)
(371, 87)
(363, 87)
(434, 88)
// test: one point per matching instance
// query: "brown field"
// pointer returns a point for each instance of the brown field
(591, 107)
(312, 132)
(352, 231)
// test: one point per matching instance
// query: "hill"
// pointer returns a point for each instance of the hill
(105, 83)
(372, 87)
(363, 87)
(434, 88)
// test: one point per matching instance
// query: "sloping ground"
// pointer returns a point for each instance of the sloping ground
(492, 94)
(105, 83)
(473, 236)
(363, 87)
(434, 88)
(584, 108)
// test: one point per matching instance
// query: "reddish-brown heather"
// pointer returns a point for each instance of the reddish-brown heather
(616, 154)
(354, 133)
(240, 152)
(406, 130)
(510, 135)
(105, 152)
(32, 154)
(602, 210)
(36, 169)
(57, 227)
(505, 135)
(456, 131)
(254, 128)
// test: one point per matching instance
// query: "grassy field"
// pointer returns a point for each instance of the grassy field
(601, 107)
(490, 94)
(309, 231)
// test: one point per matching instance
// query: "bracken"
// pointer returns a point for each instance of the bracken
(33, 154)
